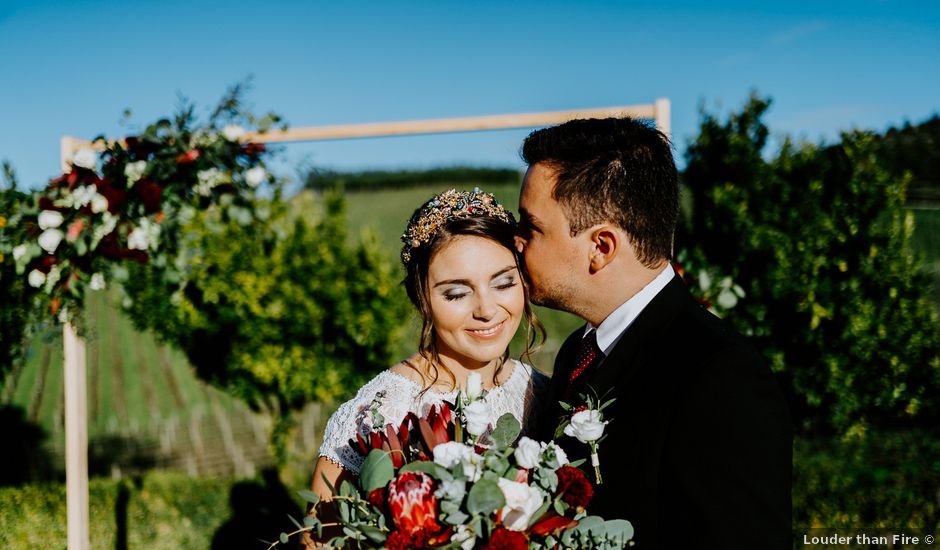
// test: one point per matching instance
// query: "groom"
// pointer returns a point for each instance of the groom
(698, 449)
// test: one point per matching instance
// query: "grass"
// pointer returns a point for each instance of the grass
(927, 242)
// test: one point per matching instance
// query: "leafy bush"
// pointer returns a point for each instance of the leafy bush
(818, 238)
(159, 511)
(280, 313)
(886, 480)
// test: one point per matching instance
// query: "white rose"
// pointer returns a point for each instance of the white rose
(255, 176)
(97, 282)
(99, 203)
(49, 240)
(134, 171)
(474, 385)
(473, 467)
(451, 453)
(522, 501)
(82, 195)
(36, 278)
(86, 158)
(464, 536)
(586, 426)
(50, 219)
(138, 240)
(554, 455)
(527, 453)
(478, 417)
(233, 132)
(20, 252)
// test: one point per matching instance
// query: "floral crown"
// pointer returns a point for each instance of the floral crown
(447, 206)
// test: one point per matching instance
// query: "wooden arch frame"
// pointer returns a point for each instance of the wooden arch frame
(76, 422)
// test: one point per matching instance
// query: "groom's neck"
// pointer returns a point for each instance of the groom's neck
(610, 289)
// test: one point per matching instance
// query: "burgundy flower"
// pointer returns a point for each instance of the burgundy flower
(150, 193)
(398, 541)
(116, 197)
(412, 503)
(574, 488)
(253, 149)
(378, 498)
(504, 539)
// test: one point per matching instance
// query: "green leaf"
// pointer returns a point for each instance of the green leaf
(485, 497)
(506, 431)
(433, 469)
(577, 463)
(374, 534)
(294, 521)
(309, 496)
(284, 538)
(311, 521)
(377, 470)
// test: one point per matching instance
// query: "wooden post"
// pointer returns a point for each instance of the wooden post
(76, 419)
(663, 116)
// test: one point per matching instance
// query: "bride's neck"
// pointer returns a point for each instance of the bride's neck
(461, 368)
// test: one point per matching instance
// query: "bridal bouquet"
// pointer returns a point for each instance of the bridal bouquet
(449, 481)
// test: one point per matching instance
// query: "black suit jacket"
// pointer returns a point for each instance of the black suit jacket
(698, 452)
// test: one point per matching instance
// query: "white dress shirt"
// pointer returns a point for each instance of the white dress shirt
(614, 326)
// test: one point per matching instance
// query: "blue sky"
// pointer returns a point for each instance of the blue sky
(72, 68)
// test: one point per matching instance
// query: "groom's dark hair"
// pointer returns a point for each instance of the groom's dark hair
(613, 170)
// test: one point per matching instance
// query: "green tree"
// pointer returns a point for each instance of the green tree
(278, 313)
(17, 304)
(818, 237)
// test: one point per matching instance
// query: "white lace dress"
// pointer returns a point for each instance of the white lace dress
(397, 396)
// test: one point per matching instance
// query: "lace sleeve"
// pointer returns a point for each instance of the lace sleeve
(390, 395)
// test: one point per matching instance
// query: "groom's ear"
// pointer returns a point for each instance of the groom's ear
(607, 242)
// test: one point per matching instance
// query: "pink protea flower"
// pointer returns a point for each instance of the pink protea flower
(412, 503)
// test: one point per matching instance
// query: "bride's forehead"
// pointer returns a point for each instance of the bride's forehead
(465, 256)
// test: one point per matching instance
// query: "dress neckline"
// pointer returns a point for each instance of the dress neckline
(516, 369)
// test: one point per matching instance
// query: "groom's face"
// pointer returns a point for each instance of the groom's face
(552, 256)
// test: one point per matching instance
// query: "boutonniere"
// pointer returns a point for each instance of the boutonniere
(586, 423)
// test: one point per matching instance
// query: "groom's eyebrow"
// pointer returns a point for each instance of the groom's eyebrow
(466, 282)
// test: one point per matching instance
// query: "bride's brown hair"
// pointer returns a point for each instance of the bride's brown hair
(416, 284)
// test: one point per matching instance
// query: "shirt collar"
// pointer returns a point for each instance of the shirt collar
(613, 327)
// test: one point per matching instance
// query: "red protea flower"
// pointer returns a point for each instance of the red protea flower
(412, 503)
(504, 539)
(398, 541)
(574, 488)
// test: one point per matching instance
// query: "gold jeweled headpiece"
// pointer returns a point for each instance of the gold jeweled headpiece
(447, 206)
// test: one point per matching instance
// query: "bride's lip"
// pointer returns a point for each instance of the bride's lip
(487, 333)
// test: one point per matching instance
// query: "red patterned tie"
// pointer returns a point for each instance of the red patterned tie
(587, 354)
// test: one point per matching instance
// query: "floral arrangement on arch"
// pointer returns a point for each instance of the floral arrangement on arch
(127, 201)
(718, 294)
(449, 480)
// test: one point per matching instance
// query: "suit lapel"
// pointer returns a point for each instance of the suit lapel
(628, 355)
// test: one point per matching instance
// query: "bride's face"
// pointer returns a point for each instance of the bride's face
(477, 299)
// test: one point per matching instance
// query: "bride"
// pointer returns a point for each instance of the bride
(463, 277)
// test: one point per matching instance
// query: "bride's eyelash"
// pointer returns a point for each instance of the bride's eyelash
(452, 297)
(506, 285)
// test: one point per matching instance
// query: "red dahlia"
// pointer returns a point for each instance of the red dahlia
(504, 539)
(574, 488)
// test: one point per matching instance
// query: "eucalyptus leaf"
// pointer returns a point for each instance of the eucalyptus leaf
(506, 431)
(377, 470)
(284, 538)
(433, 469)
(309, 496)
(485, 497)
